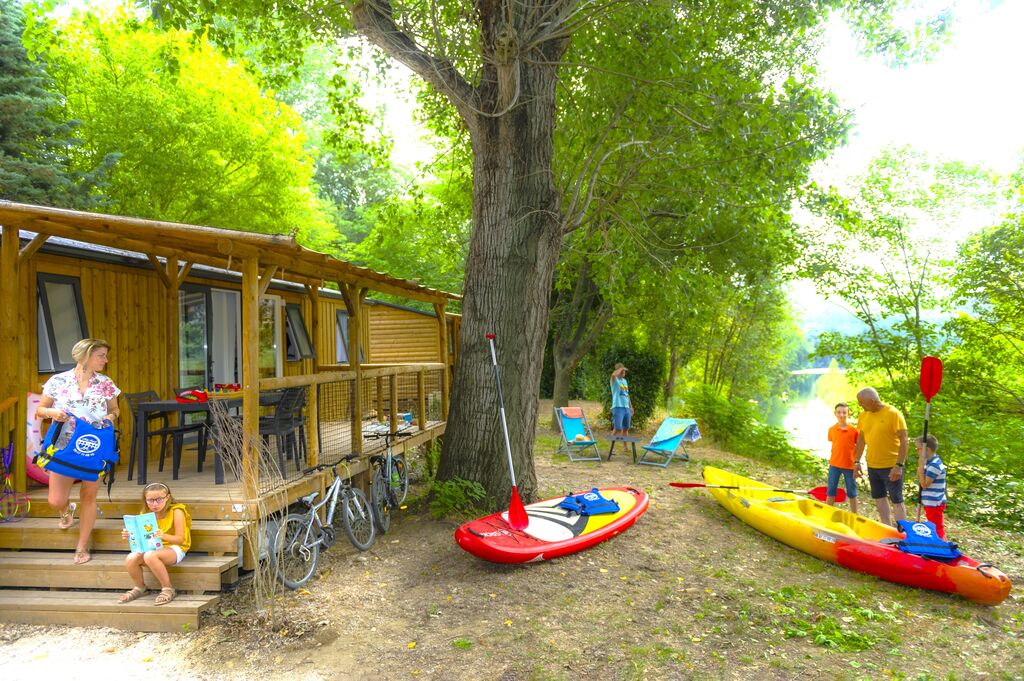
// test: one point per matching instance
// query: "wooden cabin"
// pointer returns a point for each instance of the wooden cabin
(186, 306)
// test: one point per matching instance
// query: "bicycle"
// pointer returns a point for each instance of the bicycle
(301, 536)
(390, 481)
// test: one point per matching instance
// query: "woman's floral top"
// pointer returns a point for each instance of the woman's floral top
(63, 388)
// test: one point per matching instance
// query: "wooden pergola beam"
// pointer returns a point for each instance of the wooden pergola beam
(31, 247)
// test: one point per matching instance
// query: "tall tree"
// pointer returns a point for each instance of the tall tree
(499, 63)
(35, 144)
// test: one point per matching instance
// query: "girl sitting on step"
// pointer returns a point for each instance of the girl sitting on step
(174, 529)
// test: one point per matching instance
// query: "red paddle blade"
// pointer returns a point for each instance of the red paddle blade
(517, 518)
(821, 494)
(688, 484)
(931, 377)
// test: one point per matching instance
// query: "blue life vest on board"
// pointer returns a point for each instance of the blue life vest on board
(589, 503)
(84, 455)
(922, 540)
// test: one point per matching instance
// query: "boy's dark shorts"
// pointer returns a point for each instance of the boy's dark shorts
(882, 486)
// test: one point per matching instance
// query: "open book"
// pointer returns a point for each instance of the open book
(141, 531)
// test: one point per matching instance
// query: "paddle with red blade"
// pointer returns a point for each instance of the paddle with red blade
(818, 493)
(517, 518)
(931, 381)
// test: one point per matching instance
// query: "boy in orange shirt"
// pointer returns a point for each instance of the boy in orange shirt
(843, 437)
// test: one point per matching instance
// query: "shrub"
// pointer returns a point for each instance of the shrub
(646, 378)
(456, 498)
(736, 425)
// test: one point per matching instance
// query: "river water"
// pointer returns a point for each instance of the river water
(807, 422)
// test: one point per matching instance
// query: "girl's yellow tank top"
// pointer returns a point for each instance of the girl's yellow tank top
(167, 525)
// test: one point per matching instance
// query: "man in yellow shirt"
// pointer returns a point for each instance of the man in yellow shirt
(883, 431)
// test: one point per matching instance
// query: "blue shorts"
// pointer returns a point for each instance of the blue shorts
(622, 418)
(833, 481)
(881, 485)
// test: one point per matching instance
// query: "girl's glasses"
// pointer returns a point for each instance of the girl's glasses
(155, 500)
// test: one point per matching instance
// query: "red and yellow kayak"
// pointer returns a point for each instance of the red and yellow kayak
(552, 531)
(853, 541)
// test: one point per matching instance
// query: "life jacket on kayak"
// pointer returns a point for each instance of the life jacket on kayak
(922, 539)
(80, 450)
(589, 503)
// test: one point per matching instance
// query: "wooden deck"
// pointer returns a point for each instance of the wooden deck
(40, 585)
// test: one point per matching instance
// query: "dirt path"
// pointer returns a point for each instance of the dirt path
(689, 592)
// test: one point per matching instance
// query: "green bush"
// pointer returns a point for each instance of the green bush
(646, 377)
(456, 498)
(736, 426)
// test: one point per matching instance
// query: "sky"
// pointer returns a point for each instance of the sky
(965, 104)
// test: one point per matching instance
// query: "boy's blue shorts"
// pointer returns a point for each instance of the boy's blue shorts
(833, 481)
(622, 419)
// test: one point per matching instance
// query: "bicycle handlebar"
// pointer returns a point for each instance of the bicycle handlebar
(325, 466)
(396, 434)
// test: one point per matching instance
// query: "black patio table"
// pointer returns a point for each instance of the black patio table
(190, 407)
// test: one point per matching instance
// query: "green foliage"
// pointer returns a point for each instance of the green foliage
(646, 376)
(198, 140)
(456, 498)
(36, 145)
(736, 426)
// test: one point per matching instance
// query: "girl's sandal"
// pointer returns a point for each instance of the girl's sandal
(129, 596)
(165, 596)
(67, 517)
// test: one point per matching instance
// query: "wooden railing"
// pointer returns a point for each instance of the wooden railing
(342, 402)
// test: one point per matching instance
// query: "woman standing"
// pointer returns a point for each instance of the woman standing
(85, 393)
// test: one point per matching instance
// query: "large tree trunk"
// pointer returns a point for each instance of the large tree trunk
(512, 256)
(517, 225)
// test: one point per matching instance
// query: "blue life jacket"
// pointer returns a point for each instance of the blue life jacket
(589, 503)
(77, 449)
(922, 540)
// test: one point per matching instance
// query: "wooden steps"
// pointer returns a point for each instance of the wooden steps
(100, 608)
(40, 584)
(49, 569)
(208, 536)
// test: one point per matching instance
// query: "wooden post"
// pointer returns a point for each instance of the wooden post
(313, 409)
(14, 346)
(393, 406)
(250, 376)
(380, 398)
(442, 337)
(173, 332)
(421, 395)
(354, 297)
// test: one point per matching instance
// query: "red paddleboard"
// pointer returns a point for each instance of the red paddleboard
(552, 531)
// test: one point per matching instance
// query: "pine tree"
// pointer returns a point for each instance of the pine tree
(34, 142)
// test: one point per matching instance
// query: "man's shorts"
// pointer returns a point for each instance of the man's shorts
(622, 418)
(834, 473)
(881, 485)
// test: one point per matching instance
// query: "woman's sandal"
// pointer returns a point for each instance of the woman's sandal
(82, 556)
(165, 596)
(67, 517)
(129, 596)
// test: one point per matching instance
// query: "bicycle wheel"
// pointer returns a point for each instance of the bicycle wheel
(296, 550)
(357, 518)
(399, 479)
(380, 494)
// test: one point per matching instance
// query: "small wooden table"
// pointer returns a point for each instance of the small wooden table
(623, 438)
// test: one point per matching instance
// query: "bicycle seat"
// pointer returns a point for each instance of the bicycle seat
(308, 499)
(350, 457)
(376, 459)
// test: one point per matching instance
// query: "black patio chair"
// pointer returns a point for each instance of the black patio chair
(282, 427)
